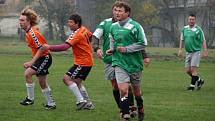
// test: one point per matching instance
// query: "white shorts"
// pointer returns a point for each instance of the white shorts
(123, 76)
(193, 59)
(109, 72)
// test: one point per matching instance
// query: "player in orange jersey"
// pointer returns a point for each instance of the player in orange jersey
(40, 62)
(79, 40)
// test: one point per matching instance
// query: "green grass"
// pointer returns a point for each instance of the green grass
(163, 85)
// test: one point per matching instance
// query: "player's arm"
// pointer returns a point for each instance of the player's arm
(96, 47)
(180, 46)
(96, 44)
(57, 48)
(37, 56)
(97, 35)
(146, 59)
(111, 50)
(204, 45)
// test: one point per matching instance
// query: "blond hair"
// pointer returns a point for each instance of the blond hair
(31, 15)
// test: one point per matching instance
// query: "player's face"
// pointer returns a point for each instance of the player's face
(23, 22)
(72, 25)
(121, 14)
(191, 21)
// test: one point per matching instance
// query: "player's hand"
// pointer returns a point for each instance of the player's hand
(109, 52)
(180, 53)
(205, 53)
(99, 53)
(27, 65)
(146, 62)
(121, 49)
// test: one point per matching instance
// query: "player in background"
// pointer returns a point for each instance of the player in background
(79, 40)
(40, 62)
(127, 40)
(193, 38)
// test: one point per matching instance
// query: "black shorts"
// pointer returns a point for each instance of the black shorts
(78, 71)
(42, 64)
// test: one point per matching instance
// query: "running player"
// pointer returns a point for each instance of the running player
(79, 40)
(193, 38)
(40, 62)
(127, 40)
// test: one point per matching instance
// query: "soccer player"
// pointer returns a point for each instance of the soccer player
(102, 32)
(79, 40)
(40, 62)
(127, 40)
(193, 38)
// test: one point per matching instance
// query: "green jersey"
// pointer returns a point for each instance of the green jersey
(102, 31)
(193, 38)
(127, 35)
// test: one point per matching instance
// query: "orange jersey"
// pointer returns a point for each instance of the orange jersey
(81, 46)
(35, 40)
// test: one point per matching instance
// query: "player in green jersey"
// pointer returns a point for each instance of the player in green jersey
(127, 40)
(102, 33)
(193, 38)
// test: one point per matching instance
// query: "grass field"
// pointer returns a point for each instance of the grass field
(163, 86)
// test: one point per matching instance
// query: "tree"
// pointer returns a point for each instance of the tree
(56, 12)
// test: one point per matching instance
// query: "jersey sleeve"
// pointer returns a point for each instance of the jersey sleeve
(140, 34)
(182, 35)
(99, 30)
(202, 35)
(73, 39)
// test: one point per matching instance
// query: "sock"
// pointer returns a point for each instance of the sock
(30, 91)
(193, 81)
(139, 100)
(130, 98)
(117, 97)
(74, 88)
(48, 96)
(84, 93)
(124, 105)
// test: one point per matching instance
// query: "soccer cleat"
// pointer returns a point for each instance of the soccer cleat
(120, 114)
(89, 106)
(26, 102)
(141, 115)
(126, 117)
(49, 107)
(190, 88)
(133, 111)
(81, 105)
(199, 84)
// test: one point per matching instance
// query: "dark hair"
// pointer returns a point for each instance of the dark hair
(192, 15)
(123, 4)
(76, 18)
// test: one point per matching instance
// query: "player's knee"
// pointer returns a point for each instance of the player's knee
(114, 84)
(189, 72)
(65, 79)
(27, 75)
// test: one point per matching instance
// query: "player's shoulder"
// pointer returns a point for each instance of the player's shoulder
(198, 27)
(185, 27)
(81, 31)
(108, 20)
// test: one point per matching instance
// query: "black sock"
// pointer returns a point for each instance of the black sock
(130, 97)
(139, 102)
(124, 105)
(194, 79)
(117, 97)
